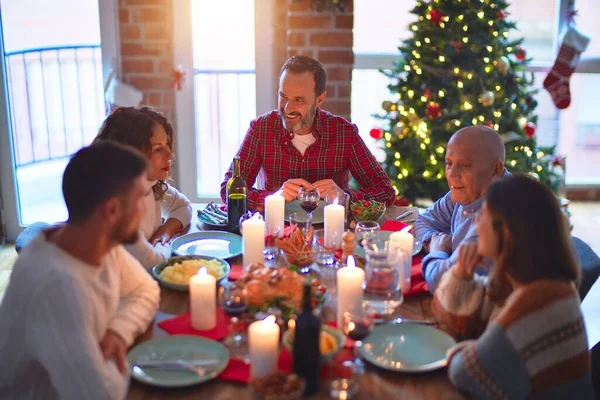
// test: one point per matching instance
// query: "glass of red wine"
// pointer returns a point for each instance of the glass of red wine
(234, 302)
(357, 326)
(309, 199)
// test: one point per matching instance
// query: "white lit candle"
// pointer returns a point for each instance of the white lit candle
(403, 240)
(350, 290)
(253, 238)
(334, 224)
(264, 347)
(275, 211)
(203, 298)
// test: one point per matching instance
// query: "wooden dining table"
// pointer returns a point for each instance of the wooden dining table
(375, 383)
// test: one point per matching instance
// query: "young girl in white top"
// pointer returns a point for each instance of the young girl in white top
(169, 211)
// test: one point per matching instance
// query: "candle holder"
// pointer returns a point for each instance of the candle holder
(235, 302)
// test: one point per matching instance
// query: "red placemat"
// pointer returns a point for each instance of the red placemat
(182, 325)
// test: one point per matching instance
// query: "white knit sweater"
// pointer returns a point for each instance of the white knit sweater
(55, 312)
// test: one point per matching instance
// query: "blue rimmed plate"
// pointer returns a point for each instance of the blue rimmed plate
(178, 347)
(294, 207)
(407, 347)
(385, 235)
(216, 244)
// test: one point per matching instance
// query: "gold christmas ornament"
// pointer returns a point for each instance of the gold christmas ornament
(487, 98)
(503, 65)
(387, 105)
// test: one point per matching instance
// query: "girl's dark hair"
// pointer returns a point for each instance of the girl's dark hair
(533, 235)
(133, 127)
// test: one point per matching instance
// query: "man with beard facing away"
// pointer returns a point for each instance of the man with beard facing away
(76, 298)
(301, 145)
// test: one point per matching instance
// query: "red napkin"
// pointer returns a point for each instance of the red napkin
(393, 226)
(239, 371)
(182, 325)
(237, 270)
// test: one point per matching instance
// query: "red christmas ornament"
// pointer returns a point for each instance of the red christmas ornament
(500, 15)
(401, 201)
(520, 53)
(457, 44)
(436, 16)
(433, 110)
(529, 129)
(558, 161)
(427, 94)
(376, 133)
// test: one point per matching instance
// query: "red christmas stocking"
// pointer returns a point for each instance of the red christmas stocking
(557, 82)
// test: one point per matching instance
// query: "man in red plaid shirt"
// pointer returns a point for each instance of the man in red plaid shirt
(302, 145)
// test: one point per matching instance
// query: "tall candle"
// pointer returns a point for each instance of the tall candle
(203, 298)
(403, 240)
(350, 290)
(275, 211)
(253, 238)
(334, 224)
(263, 337)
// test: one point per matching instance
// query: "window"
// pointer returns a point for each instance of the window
(381, 25)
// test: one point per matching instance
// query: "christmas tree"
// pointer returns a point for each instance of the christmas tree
(459, 69)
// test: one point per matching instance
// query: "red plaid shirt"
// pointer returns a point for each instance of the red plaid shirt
(337, 152)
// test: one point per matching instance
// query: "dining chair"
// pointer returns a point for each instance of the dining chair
(590, 265)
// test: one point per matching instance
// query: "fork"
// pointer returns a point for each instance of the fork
(403, 215)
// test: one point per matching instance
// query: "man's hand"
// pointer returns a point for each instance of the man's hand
(113, 346)
(166, 231)
(289, 189)
(468, 258)
(327, 187)
(441, 242)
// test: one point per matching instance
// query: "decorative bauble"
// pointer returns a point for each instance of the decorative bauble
(399, 131)
(558, 161)
(500, 15)
(530, 101)
(376, 133)
(487, 99)
(433, 110)
(387, 105)
(457, 44)
(436, 16)
(503, 65)
(529, 129)
(401, 201)
(520, 53)
(427, 94)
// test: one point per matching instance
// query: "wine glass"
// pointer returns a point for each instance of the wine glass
(234, 301)
(365, 230)
(357, 326)
(309, 199)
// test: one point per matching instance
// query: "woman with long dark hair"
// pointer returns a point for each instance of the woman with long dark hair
(150, 132)
(533, 343)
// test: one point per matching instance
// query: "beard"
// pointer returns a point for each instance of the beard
(303, 121)
(124, 233)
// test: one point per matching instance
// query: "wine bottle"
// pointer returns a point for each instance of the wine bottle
(236, 198)
(306, 351)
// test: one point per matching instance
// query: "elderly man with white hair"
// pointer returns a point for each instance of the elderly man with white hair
(474, 158)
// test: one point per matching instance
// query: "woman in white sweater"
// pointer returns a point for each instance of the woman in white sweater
(169, 211)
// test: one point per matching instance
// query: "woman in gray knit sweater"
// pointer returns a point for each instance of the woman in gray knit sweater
(533, 343)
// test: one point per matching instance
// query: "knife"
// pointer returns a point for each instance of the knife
(400, 320)
(403, 215)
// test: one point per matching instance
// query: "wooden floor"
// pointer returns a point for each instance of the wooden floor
(585, 217)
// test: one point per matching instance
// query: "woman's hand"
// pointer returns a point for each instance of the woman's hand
(468, 258)
(166, 231)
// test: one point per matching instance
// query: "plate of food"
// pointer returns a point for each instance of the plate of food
(175, 273)
(216, 244)
(281, 288)
(331, 341)
(213, 215)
